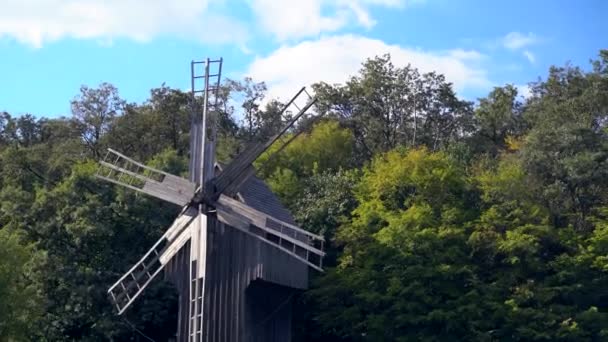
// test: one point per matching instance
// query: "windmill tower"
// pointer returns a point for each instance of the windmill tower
(234, 253)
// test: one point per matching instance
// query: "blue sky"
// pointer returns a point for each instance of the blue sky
(49, 48)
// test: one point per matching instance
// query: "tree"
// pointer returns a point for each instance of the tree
(567, 147)
(327, 147)
(94, 110)
(250, 94)
(442, 223)
(498, 117)
(142, 131)
(403, 272)
(28, 130)
(7, 131)
(387, 106)
(326, 201)
(172, 109)
(79, 223)
(20, 296)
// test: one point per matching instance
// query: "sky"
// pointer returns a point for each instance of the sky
(50, 48)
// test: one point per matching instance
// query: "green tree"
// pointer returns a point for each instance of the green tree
(327, 147)
(20, 295)
(442, 223)
(387, 106)
(250, 94)
(403, 273)
(79, 223)
(94, 111)
(7, 130)
(498, 117)
(537, 280)
(567, 147)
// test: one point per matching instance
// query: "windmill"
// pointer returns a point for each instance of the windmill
(234, 253)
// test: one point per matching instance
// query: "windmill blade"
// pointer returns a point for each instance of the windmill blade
(237, 169)
(124, 292)
(203, 129)
(178, 234)
(234, 187)
(293, 240)
(122, 170)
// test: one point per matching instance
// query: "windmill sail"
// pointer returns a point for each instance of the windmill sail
(293, 240)
(133, 283)
(237, 172)
(203, 128)
(218, 247)
(122, 170)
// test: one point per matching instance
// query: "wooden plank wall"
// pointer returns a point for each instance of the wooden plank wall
(176, 271)
(249, 288)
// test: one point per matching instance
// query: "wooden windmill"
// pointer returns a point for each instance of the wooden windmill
(234, 253)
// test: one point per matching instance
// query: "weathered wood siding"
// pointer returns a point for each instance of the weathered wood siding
(176, 271)
(249, 285)
(236, 310)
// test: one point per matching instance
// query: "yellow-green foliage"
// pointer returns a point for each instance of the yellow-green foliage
(406, 190)
(328, 147)
(400, 177)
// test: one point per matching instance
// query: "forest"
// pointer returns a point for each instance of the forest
(445, 219)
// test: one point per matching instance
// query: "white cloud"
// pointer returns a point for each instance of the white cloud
(36, 22)
(334, 59)
(298, 19)
(530, 56)
(517, 40)
(470, 55)
(524, 91)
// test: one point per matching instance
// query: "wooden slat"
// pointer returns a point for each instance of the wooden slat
(262, 217)
(163, 185)
(131, 283)
(241, 223)
(184, 219)
(242, 217)
(152, 263)
(175, 245)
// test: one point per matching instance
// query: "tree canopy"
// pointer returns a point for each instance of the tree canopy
(445, 219)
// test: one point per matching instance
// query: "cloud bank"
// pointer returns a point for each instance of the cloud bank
(333, 59)
(288, 20)
(35, 22)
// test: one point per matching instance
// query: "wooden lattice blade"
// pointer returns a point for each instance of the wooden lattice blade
(237, 171)
(122, 170)
(297, 242)
(124, 292)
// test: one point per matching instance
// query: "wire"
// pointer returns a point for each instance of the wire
(276, 310)
(269, 316)
(137, 330)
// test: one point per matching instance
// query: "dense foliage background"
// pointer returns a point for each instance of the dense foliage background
(446, 220)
